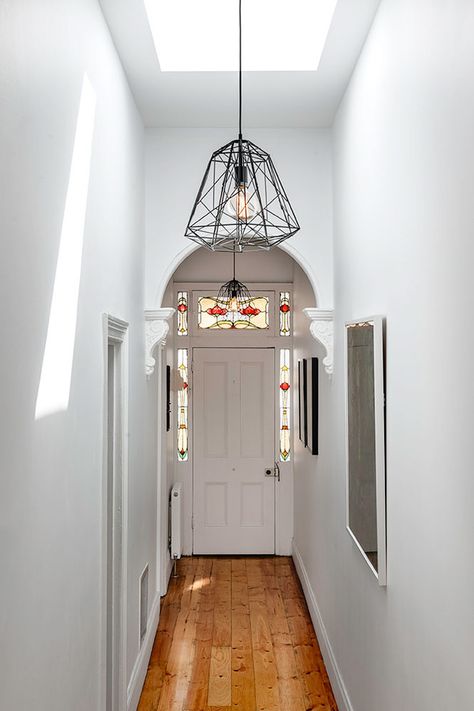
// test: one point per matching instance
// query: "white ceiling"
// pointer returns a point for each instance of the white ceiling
(271, 99)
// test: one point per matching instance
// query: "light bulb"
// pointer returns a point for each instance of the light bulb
(240, 206)
(233, 305)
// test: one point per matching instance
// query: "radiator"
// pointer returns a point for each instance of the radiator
(176, 506)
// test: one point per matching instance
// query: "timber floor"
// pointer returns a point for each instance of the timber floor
(235, 635)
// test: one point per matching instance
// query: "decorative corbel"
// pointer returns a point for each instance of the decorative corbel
(322, 329)
(156, 330)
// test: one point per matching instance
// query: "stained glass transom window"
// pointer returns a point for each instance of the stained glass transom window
(182, 311)
(285, 313)
(285, 405)
(215, 316)
(182, 423)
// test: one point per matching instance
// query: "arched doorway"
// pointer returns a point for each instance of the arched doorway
(218, 515)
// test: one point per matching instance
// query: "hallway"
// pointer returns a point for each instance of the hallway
(236, 633)
(236, 265)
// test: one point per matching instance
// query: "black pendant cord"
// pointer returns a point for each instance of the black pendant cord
(243, 207)
(241, 158)
(240, 70)
(233, 255)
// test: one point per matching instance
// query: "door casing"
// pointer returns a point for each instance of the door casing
(183, 471)
(115, 337)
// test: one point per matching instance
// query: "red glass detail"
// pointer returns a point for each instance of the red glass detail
(217, 311)
(185, 385)
(285, 386)
(249, 311)
(284, 427)
(284, 308)
(182, 308)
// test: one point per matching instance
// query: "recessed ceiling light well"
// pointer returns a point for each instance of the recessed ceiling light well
(201, 35)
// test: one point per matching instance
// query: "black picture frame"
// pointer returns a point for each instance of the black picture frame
(312, 405)
(305, 402)
(300, 401)
(168, 398)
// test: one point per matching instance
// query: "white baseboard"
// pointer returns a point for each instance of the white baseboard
(140, 667)
(337, 682)
(169, 570)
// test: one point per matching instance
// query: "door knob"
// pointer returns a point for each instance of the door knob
(273, 472)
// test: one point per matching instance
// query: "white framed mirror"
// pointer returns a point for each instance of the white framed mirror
(365, 441)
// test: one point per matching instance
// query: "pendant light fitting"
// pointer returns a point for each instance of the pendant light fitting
(241, 204)
(234, 295)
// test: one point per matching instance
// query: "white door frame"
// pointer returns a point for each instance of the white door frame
(183, 471)
(157, 336)
(164, 564)
(115, 333)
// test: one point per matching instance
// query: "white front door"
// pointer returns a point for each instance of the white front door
(234, 436)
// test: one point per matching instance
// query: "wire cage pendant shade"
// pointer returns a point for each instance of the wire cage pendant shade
(241, 204)
(234, 295)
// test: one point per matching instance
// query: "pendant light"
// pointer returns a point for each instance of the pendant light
(241, 204)
(234, 295)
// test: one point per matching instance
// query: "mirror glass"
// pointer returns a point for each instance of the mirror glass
(363, 430)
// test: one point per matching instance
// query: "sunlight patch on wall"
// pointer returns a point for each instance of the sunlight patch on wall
(55, 382)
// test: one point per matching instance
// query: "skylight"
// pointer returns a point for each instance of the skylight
(202, 35)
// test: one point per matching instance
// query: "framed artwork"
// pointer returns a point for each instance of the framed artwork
(312, 404)
(168, 398)
(365, 441)
(308, 403)
(300, 402)
(305, 401)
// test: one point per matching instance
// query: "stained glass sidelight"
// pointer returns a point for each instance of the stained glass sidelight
(182, 310)
(183, 405)
(285, 405)
(216, 316)
(285, 314)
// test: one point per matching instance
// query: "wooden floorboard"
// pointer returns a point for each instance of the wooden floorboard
(235, 634)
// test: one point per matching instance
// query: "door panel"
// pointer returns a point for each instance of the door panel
(233, 444)
(252, 431)
(215, 398)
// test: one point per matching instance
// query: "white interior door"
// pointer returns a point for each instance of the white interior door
(233, 444)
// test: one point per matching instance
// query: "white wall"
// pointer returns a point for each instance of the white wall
(51, 471)
(404, 157)
(168, 456)
(175, 163)
(203, 265)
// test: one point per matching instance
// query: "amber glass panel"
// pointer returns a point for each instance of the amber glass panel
(215, 316)
(183, 405)
(285, 405)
